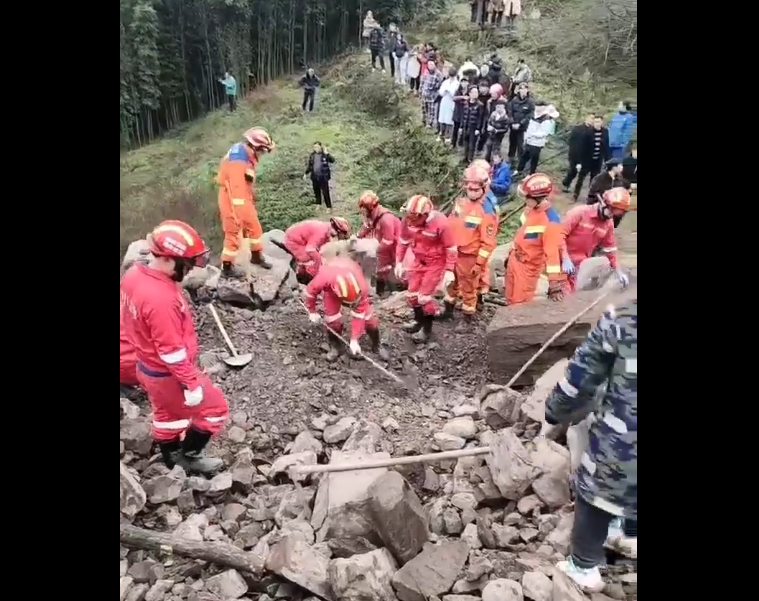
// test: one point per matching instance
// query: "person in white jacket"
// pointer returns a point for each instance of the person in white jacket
(541, 127)
(447, 94)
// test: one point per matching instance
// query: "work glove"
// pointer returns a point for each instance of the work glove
(314, 318)
(556, 291)
(477, 132)
(305, 177)
(354, 347)
(578, 166)
(567, 266)
(193, 398)
(448, 278)
(545, 432)
(515, 125)
(623, 279)
(491, 128)
(399, 270)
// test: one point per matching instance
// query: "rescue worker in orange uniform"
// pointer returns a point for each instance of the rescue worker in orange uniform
(237, 200)
(430, 237)
(586, 227)
(474, 222)
(537, 245)
(384, 226)
(492, 200)
(305, 239)
(341, 282)
(158, 324)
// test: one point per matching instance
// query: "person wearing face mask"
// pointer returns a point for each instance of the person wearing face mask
(305, 239)
(382, 225)
(588, 226)
(537, 246)
(474, 222)
(158, 323)
(428, 234)
(237, 200)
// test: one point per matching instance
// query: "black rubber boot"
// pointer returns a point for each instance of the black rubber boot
(414, 326)
(171, 452)
(303, 278)
(229, 270)
(193, 457)
(392, 288)
(257, 258)
(480, 302)
(336, 347)
(447, 313)
(377, 348)
(380, 287)
(423, 335)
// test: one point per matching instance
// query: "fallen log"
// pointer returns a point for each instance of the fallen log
(221, 554)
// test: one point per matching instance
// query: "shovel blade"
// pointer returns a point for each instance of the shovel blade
(238, 360)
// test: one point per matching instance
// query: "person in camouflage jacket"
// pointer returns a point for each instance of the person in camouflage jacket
(606, 483)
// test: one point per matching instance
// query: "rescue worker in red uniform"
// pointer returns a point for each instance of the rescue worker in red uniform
(305, 239)
(430, 237)
(474, 223)
(158, 324)
(341, 282)
(384, 226)
(237, 200)
(586, 227)
(537, 245)
(127, 357)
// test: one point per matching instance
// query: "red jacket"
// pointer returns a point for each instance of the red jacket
(346, 272)
(433, 244)
(307, 237)
(583, 230)
(127, 358)
(158, 323)
(385, 227)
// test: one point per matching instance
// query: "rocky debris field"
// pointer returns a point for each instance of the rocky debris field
(486, 528)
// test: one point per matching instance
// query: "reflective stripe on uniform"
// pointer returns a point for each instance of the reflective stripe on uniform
(180, 424)
(332, 318)
(534, 229)
(355, 315)
(483, 253)
(609, 249)
(229, 252)
(345, 283)
(175, 357)
(238, 202)
(551, 269)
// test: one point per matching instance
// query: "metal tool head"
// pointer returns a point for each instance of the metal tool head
(238, 360)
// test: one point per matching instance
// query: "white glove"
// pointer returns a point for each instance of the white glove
(353, 238)
(354, 347)
(578, 166)
(399, 270)
(491, 128)
(477, 132)
(448, 278)
(623, 279)
(314, 318)
(545, 432)
(193, 398)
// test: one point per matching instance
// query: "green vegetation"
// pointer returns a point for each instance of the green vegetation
(372, 128)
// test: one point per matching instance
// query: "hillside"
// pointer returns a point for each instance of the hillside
(370, 126)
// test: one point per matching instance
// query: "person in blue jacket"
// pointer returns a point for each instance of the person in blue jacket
(500, 184)
(621, 129)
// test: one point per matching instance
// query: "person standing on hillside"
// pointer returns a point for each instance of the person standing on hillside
(621, 129)
(522, 75)
(237, 200)
(521, 108)
(157, 321)
(318, 167)
(606, 482)
(447, 92)
(230, 89)
(497, 128)
(309, 82)
(377, 47)
(392, 39)
(595, 151)
(382, 225)
(400, 55)
(576, 143)
(472, 121)
(541, 127)
(429, 90)
(512, 9)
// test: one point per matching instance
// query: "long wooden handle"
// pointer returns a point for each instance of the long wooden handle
(550, 341)
(222, 329)
(393, 461)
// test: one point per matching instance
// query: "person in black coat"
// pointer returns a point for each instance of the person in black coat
(472, 122)
(594, 152)
(318, 167)
(309, 82)
(458, 109)
(576, 141)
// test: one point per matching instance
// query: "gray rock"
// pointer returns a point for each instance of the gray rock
(158, 590)
(132, 497)
(292, 559)
(227, 585)
(364, 577)
(432, 572)
(503, 589)
(537, 586)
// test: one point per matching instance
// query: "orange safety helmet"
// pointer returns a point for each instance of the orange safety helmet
(481, 163)
(368, 200)
(418, 205)
(617, 199)
(496, 89)
(341, 226)
(536, 186)
(177, 240)
(259, 139)
(346, 288)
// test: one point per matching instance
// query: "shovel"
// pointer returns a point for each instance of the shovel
(235, 360)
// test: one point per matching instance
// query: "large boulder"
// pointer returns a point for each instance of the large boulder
(516, 333)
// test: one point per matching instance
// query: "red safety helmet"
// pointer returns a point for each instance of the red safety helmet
(617, 199)
(418, 205)
(496, 89)
(368, 201)
(346, 288)
(482, 163)
(537, 186)
(341, 226)
(259, 139)
(177, 240)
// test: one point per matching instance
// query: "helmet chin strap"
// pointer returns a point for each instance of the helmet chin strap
(181, 268)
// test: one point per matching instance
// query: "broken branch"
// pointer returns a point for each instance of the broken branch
(219, 553)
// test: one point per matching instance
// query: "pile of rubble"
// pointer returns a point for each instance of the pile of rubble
(485, 528)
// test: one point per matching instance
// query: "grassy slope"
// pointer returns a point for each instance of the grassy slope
(391, 154)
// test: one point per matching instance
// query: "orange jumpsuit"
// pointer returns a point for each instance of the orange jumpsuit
(485, 277)
(237, 201)
(582, 232)
(537, 248)
(474, 224)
